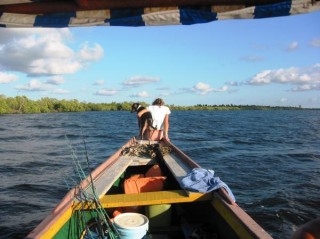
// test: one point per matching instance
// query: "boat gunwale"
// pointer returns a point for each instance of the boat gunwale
(44, 229)
(241, 222)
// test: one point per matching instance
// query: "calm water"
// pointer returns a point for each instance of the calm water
(270, 160)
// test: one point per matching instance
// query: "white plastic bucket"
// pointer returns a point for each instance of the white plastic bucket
(131, 225)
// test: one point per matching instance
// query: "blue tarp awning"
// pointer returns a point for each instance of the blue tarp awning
(80, 13)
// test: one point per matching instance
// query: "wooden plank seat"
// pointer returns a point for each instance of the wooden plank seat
(177, 167)
(107, 178)
(149, 198)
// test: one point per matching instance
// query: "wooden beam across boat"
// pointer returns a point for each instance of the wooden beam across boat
(148, 198)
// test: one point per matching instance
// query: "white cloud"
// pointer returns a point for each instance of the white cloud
(99, 82)
(307, 78)
(6, 78)
(142, 94)
(283, 100)
(232, 83)
(44, 52)
(34, 85)
(55, 80)
(91, 53)
(18, 33)
(293, 46)
(263, 77)
(107, 92)
(315, 42)
(202, 88)
(140, 80)
(306, 87)
(222, 89)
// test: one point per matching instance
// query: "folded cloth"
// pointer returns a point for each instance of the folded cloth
(203, 181)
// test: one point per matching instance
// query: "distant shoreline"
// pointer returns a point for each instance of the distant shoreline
(24, 105)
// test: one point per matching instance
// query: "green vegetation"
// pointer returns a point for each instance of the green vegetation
(23, 105)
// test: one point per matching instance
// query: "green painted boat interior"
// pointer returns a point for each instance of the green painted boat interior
(175, 221)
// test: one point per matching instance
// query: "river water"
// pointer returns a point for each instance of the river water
(270, 160)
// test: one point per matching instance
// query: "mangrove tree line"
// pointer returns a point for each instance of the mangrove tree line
(24, 105)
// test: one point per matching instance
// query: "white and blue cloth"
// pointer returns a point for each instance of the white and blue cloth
(203, 181)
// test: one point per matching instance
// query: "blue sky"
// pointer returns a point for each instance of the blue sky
(274, 61)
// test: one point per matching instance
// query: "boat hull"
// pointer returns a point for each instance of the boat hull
(215, 212)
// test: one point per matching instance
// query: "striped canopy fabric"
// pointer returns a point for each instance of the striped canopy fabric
(79, 13)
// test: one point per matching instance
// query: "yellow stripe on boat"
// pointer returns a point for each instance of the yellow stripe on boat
(242, 224)
(59, 223)
(148, 198)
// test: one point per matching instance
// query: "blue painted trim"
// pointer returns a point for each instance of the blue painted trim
(189, 16)
(273, 10)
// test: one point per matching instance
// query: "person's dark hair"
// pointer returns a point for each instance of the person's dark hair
(158, 101)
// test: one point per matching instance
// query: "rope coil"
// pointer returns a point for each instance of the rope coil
(145, 150)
